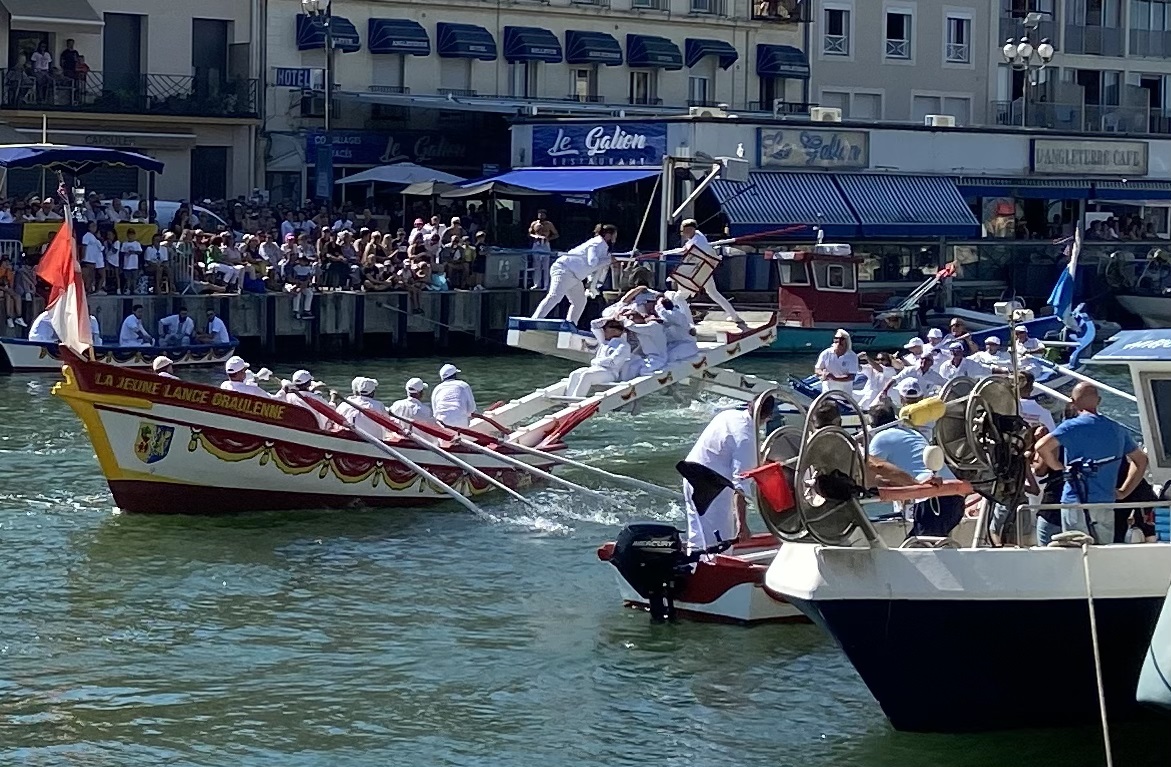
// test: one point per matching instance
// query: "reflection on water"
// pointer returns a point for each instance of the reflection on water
(395, 637)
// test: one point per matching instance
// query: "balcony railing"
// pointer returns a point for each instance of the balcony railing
(650, 5)
(898, 49)
(959, 53)
(583, 99)
(783, 108)
(390, 89)
(597, 3)
(1015, 28)
(457, 92)
(129, 94)
(1150, 43)
(836, 45)
(645, 101)
(1094, 41)
(1087, 118)
(782, 11)
(709, 7)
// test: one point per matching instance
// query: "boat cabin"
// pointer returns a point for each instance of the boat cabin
(821, 282)
(1147, 354)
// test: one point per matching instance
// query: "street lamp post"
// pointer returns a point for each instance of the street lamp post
(1022, 56)
(323, 9)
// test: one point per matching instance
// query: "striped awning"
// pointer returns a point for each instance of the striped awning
(588, 47)
(781, 61)
(531, 44)
(404, 36)
(464, 41)
(1132, 190)
(651, 51)
(1025, 188)
(772, 200)
(311, 33)
(697, 48)
(908, 206)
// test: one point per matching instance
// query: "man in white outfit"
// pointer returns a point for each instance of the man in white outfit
(680, 332)
(42, 329)
(302, 387)
(608, 363)
(838, 365)
(959, 366)
(163, 367)
(177, 329)
(363, 390)
(452, 401)
(237, 370)
(652, 344)
(570, 270)
(697, 241)
(133, 333)
(727, 446)
(412, 407)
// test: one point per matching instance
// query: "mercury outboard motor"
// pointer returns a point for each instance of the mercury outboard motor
(653, 559)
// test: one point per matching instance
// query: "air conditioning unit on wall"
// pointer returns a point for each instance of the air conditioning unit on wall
(825, 114)
(939, 121)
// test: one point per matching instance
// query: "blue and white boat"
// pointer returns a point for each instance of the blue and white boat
(42, 356)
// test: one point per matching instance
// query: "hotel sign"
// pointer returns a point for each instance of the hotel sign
(1075, 157)
(813, 148)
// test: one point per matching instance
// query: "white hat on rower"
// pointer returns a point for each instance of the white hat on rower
(992, 340)
(914, 343)
(934, 333)
(302, 378)
(161, 362)
(690, 222)
(235, 364)
(909, 387)
(364, 385)
(447, 371)
(416, 385)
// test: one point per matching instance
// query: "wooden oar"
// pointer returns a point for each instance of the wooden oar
(447, 456)
(621, 479)
(460, 438)
(336, 417)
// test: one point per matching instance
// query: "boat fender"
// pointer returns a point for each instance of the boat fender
(924, 412)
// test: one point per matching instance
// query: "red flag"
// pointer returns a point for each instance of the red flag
(67, 307)
(773, 485)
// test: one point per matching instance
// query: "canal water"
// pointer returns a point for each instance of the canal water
(418, 637)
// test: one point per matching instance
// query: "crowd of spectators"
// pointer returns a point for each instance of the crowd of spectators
(37, 77)
(1129, 227)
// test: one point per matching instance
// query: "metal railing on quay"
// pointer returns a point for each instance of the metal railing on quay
(129, 94)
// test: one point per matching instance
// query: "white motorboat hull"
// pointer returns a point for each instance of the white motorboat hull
(1154, 311)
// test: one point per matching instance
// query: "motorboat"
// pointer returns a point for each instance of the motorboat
(23, 355)
(936, 601)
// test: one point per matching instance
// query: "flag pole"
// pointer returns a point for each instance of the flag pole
(63, 191)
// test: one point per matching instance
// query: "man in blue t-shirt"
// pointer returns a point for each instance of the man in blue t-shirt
(1094, 445)
(896, 459)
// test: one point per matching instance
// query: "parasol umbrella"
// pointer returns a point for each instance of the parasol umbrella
(399, 173)
(493, 189)
(427, 189)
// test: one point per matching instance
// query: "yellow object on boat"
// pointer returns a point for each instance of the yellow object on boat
(924, 412)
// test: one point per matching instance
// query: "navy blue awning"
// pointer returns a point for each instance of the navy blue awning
(78, 159)
(531, 44)
(398, 36)
(773, 200)
(698, 47)
(311, 33)
(1132, 190)
(781, 61)
(1025, 188)
(651, 51)
(464, 41)
(908, 206)
(583, 47)
(563, 180)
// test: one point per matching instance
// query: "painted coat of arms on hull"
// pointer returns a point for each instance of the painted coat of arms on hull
(153, 442)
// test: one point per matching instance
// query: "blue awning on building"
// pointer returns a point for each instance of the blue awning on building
(311, 33)
(698, 47)
(781, 61)
(908, 206)
(582, 47)
(1025, 188)
(773, 200)
(403, 36)
(464, 41)
(1132, 190)
(531, 44)
(651, 51)
(568, 180)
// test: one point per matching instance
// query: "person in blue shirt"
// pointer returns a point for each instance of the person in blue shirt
(1094, 447)
(896, 459)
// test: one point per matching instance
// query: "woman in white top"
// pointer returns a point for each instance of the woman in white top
(93, 259)
(838, 365)
(157, 264)
(570, 270)
(877, 371)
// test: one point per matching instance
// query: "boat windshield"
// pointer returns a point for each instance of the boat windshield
(828, 275)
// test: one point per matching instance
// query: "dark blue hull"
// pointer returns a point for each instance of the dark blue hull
(953, 666)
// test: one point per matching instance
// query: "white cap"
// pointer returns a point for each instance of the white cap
(416, 385)
(956, 347)
(935, 333)
(364, 385)
(992, 340)
(161, 362)
(302, 378)
(909, 387)
(235, 364)
(447, 371)
(913, 343)
(689, 222)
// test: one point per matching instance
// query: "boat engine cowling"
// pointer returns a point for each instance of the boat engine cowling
(653, 559)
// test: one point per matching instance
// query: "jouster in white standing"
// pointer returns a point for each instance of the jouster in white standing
(571, 270)
(727, 446)
(452, 401)
(609, 360)
(838, 365)
(697, 241)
